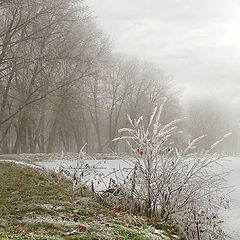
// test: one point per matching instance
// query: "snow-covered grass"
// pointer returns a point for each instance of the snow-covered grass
(21, 163)
(230, 216)
(36, 205)
(41, 157)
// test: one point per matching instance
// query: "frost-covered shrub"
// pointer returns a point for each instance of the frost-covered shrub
(181, 187)
(82, 173)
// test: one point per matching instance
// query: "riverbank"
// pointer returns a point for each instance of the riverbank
(42, 157)
(35, 204)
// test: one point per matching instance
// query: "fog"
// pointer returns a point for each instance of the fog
(196, 42)
(62, 89)
(72, 73)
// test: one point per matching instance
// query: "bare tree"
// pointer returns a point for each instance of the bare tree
(46, 46)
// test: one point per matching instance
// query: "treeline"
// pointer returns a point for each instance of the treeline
(214, 118)
(61, 86)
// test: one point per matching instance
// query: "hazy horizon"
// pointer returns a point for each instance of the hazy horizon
(197, 43)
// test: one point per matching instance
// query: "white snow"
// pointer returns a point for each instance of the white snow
(230, 216)
(22, 163)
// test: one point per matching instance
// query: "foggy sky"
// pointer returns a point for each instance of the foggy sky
(195, 41)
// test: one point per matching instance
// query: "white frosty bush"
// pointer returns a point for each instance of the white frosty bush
(177, 186)
(83, 173)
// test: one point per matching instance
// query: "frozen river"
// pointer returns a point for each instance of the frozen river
(231, 216)
(107, 169)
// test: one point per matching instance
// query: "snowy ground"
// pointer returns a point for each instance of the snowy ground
(231, 216)
(108, 168)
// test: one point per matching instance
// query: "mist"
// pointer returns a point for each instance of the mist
(75, 76)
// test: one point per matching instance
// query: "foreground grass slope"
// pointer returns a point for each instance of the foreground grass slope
(36, 205)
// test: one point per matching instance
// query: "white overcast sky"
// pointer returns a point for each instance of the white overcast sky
(195, 41)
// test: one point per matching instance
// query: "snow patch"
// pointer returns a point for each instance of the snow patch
(22, 163)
